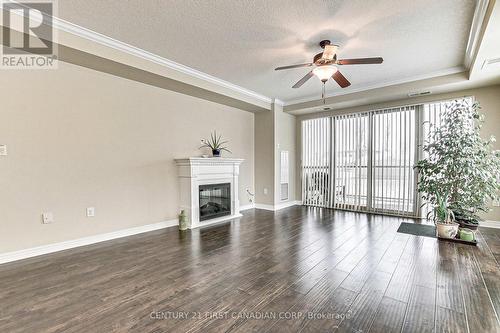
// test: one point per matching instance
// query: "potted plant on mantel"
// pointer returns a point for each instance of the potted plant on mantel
(459, 163)
(216, 144)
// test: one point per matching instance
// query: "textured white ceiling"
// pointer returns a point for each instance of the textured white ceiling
(243, 41)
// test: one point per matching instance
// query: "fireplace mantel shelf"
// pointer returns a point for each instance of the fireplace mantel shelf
(208, 160)
(198, 171)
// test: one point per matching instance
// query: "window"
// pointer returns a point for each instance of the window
(284, 175)
(394, 156)
(316, 142)
(365, 161)
(351, 141)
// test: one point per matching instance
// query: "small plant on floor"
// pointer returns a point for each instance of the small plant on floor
(444, 217)
(442, 213)
(459, 162)
(215, 143)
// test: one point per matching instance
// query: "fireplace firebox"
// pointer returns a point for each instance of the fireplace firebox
(215, 201)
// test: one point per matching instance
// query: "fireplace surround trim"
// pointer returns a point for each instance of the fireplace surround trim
(196, 171)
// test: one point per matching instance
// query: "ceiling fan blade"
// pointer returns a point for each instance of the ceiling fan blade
(303, 80)
(293, 66)
(360, 61)
(329, 52)
(341, 80)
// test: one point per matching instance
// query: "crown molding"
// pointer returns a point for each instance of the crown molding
(476, 32)
(279, 102)
(474, 41)
(473, 44)
(118, 45)
(138, 52)
(444, 72)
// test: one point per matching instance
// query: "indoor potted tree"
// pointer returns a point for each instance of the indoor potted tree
(461, 163)
(215, 143)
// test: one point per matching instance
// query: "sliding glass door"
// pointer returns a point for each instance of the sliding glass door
(316, 162)
(350, 161)
(365, 161)
(394, 154)
(362, 161)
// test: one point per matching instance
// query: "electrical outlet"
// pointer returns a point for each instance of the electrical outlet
(3, 150)
(265, 191)
(47, 218)
(90, 212)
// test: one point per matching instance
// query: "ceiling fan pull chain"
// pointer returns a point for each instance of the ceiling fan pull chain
(323, 93)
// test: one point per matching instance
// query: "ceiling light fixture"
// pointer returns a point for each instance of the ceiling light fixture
(325, 72)
(326, 64)
(325, 68)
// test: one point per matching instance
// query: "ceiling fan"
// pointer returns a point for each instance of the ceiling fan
(325, 66)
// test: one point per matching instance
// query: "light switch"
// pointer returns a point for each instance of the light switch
(90, 212)
(47, 217)
(3, 150)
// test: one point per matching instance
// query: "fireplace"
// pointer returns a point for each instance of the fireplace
(208, 189)
(215, 200)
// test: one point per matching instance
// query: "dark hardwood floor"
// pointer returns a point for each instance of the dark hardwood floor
(296, 270)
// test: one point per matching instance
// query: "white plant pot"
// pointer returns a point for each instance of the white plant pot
(447, 230)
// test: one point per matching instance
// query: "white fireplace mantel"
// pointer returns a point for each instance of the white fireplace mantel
(196, 171)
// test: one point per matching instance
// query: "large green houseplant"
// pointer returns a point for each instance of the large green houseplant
(460, 163)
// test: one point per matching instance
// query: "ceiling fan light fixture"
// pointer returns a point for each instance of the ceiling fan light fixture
(324, 72)
(324, 69)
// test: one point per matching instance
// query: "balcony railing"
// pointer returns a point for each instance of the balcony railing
(317, 188)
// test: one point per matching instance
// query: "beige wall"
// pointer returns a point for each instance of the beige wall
(285, 140)
(264, 157)
(274, 132)
(78, 138)
(488, 97)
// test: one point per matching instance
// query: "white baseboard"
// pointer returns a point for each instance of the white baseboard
(264, 206)
(278, 206)
(55, 247)
(246, 207)
(490, 224)
(217, 220)
(287, 204)
(66, 245)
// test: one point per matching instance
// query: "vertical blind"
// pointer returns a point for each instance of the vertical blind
(365, 161)
(393, 160)
(351, 160)
(316, 151)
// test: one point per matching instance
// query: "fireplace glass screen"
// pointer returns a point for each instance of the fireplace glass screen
(215, 201)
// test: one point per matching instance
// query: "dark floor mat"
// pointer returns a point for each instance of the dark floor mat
(418, 229)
